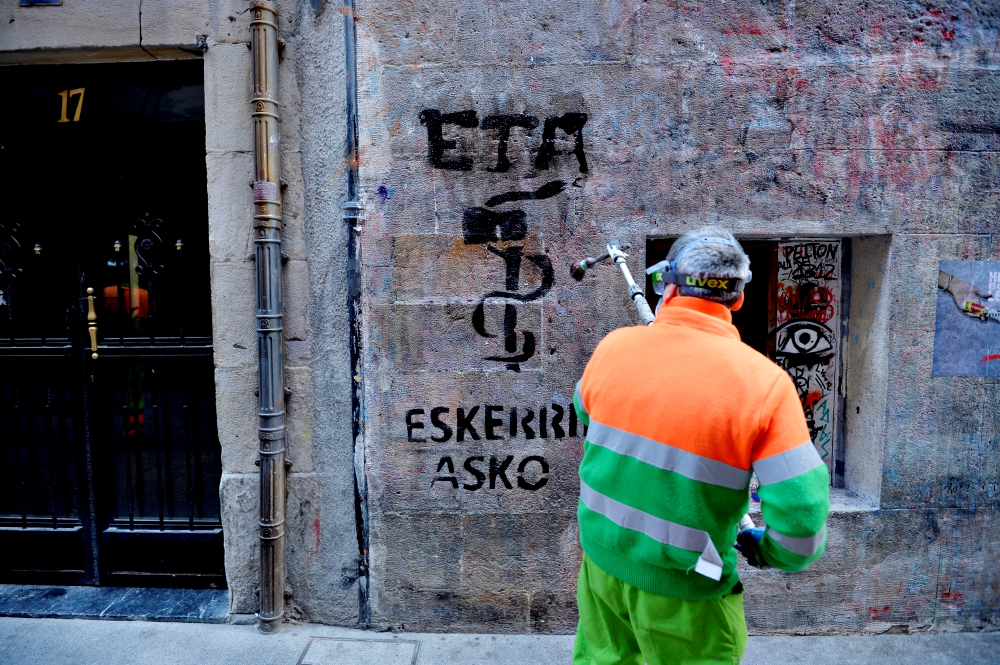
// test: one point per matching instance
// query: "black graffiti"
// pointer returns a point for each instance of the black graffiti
(446, 430)
(480, 225)
(546, 191)
(476, 473)
(526, 425)
(810, 260)
(557, 429)
(437, 144)
(570, 124)
(512, 261)
(513, 265)
(504, 123)
(465, 424)
(492, 423)
(520, 420)
(497, 471)
(500, 471)
(522, 483)
(410, 425)
(446, 462)
(483, 226)
(803, 343)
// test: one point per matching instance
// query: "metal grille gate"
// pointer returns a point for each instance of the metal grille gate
(110, 461)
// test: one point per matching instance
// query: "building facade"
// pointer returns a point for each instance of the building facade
(853, 147)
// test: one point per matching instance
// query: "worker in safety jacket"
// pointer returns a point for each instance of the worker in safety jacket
(680, 413)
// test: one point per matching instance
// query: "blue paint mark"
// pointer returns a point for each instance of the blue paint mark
(871, 284)
(383, 192)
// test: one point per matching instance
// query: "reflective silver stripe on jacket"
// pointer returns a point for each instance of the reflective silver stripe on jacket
(788, 464)
(664, 456)
(660, 530)
(807, 546)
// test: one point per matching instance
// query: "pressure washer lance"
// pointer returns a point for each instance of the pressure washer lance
(617, 254)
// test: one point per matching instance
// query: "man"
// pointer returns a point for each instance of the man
(679, 413)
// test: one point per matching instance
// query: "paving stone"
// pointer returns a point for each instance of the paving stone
(327, 651)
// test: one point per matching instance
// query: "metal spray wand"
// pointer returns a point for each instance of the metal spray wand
(617, 254)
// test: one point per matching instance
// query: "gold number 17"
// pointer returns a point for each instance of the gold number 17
(66, 94)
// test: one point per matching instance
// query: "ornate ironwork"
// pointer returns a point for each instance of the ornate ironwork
(148, 247)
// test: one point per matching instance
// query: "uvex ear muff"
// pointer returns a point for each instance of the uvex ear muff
(665, 272)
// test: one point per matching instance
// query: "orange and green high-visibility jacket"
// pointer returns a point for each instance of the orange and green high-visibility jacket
(678, 415)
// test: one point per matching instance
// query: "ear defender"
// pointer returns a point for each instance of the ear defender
(665, 272)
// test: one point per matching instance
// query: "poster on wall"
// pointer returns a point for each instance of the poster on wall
(807, 332)
(967, 327)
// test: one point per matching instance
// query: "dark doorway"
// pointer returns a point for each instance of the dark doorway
(795, 314)
(110, 459)
(756, 318)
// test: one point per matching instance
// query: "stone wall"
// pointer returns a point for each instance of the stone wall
(876, 122)
(620, 120)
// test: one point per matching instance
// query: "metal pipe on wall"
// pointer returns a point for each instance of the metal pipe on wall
(353, 218)
(271, 370)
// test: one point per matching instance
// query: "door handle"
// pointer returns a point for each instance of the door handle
(92, 323)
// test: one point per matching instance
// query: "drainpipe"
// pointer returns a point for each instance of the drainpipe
(271, 370)
(353, 218)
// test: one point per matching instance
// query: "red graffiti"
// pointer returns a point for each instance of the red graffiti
(812, 399)
(995, 356)
(806, 301)
(875, 613)
(316, 525)
(952, 599)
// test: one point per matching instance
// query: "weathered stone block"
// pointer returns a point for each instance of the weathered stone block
(236, 410)
(227, 99)
(174, 23)
(534, 553)
(299, 418)
(293, 236)
(230, 206)
(544, 33)
(239, 494)
(483, 612)
(295, 299)
(113, 23)
(302, 543)
(417, 551)
(234, 305)
(442, 337)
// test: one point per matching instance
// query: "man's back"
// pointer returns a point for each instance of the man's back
(679, 412)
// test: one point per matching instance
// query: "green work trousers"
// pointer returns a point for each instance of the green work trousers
(622, 625)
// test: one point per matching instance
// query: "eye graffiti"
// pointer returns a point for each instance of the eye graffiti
(805, 341)
(483, 226)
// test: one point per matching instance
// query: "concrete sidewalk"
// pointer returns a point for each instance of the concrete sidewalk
(84, 642)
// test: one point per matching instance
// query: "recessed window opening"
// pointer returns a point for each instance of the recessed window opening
(794, 312)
